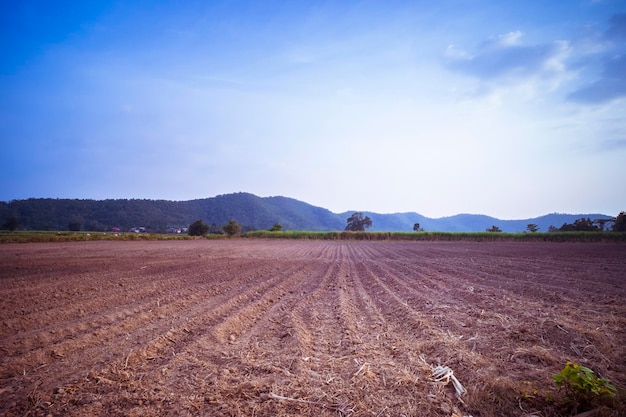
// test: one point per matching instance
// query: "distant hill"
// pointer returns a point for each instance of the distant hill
(470, 222)
(249, 210)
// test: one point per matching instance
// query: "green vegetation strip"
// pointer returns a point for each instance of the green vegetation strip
(45, 236)
(41, 236)
(445, 236)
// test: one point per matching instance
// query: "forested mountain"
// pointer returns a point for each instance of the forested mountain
(158, 215)
(251, 211)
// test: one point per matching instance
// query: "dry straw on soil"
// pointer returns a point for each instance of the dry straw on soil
(308, 328)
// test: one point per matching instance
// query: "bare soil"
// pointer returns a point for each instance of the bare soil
(339, 328)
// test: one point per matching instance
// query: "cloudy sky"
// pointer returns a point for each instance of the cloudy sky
(513, 109)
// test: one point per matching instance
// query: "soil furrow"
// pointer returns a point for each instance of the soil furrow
(339, 328)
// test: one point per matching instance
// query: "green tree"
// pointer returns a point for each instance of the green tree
(494, 229)
(417, 228)
(232, 228)
(358, 223)
(580, 225)
(619, 224)
(276, 228)
(532, 227)
(198, 228)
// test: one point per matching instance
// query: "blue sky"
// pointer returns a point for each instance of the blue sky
(512, 109)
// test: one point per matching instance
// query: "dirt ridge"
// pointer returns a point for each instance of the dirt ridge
(309, 328)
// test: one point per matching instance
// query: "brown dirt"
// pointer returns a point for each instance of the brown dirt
(217, 328)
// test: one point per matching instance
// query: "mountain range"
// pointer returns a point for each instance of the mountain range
(249, 210)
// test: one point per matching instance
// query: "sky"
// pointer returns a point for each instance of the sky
(513, 109)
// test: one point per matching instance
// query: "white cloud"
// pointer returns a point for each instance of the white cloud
(505, 63)
(509, 39)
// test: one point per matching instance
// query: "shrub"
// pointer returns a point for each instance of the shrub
(232, 228)
(198, 228)
(583, 389)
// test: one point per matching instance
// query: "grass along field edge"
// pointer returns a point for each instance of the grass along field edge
(54, 236)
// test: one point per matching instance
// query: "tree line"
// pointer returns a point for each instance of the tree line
(618, 224)
(584, 224)
(199, 228)
(358, 222)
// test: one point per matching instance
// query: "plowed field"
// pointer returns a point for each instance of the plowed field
(338, 328)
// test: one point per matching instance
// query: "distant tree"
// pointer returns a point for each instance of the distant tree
(619, 224)
(358, 223)
(586, 224)
(532, 227)
(232, 228)
(417, 228)
(11, 223)
(198, 228)
(494, 229)
(277, 227)
(580, 225)
(553, 229)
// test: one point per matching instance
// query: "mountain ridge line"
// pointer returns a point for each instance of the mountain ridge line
(251, 211)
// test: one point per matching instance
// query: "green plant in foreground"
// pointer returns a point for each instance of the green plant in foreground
(582, 386)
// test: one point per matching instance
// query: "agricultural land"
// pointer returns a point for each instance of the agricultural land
(279, 327)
